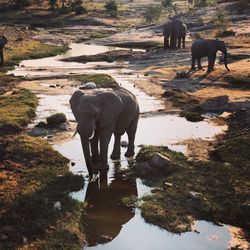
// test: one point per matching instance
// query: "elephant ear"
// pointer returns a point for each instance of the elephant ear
(75, 102)
(111, 105)
(212, 45)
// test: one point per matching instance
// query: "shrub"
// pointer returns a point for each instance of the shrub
(52, 4)
(20, 4)
(112, 8)
(152, 13)
(79, 10)
(166, 3)
(221, 23)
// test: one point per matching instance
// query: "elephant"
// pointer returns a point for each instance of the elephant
(101, 114)
(174, 30)
(207, 48)
(3, 42)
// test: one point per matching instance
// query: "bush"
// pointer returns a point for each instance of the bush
(20, 4)
(166, 3)
(221, 23)
(152, 13)
(79, 10)
(112, 8)
(52, 4)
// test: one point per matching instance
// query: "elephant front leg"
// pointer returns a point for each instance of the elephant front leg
(211, 61)
(94, 147)
(104, 142)
(117, 148)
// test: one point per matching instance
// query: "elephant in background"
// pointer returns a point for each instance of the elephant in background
(98, 116)
(207, 48)
(3, 42)
(175, 31)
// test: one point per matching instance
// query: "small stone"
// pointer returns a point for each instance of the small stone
(168, 184)
(73, 163)
(56, 119)
(52, 86)
(124, 144)
(57, 205)
(181, 74)
(88, 85)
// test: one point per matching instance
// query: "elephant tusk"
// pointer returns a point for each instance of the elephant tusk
(92, 135)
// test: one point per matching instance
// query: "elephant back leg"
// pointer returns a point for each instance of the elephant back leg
(131, 137)
(193, 62)
(117, 147)
(183, 42)
(179, 42)
(199, 63)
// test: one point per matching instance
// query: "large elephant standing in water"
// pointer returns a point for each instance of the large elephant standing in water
(175, 31)
(207, 48)
(99, 115)
(3, 42)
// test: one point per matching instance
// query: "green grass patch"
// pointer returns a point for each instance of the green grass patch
(30, 49)
(216, 190)
(16, 110)
(42, 215)
(101, 80)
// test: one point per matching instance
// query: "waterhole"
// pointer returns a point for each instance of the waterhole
(108, 225)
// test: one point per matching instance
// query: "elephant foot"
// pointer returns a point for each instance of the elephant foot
(193, 68)
(129, 153)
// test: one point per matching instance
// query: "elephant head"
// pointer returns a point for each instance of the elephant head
(3, 41)
(220, 45)
(94, 112)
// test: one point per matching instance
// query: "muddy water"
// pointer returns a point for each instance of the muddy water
(108, 224)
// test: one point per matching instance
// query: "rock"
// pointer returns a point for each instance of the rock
(56, 119)
(196, 196)
(57, 205)
(161, 163)
(124, 144)
(216, 104)
(181, 74)
(64, 126)
(37, 131)
(52, 86)
(41, 125)
(88, 85)
(156, 165)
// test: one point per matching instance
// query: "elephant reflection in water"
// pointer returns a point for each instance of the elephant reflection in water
(105, 214)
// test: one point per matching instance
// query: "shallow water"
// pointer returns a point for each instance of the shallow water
(108, 224)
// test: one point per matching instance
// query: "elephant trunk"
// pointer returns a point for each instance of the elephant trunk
(225, 61)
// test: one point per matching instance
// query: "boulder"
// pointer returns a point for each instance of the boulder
(157, 165)
(88, 85)
(56, 119)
